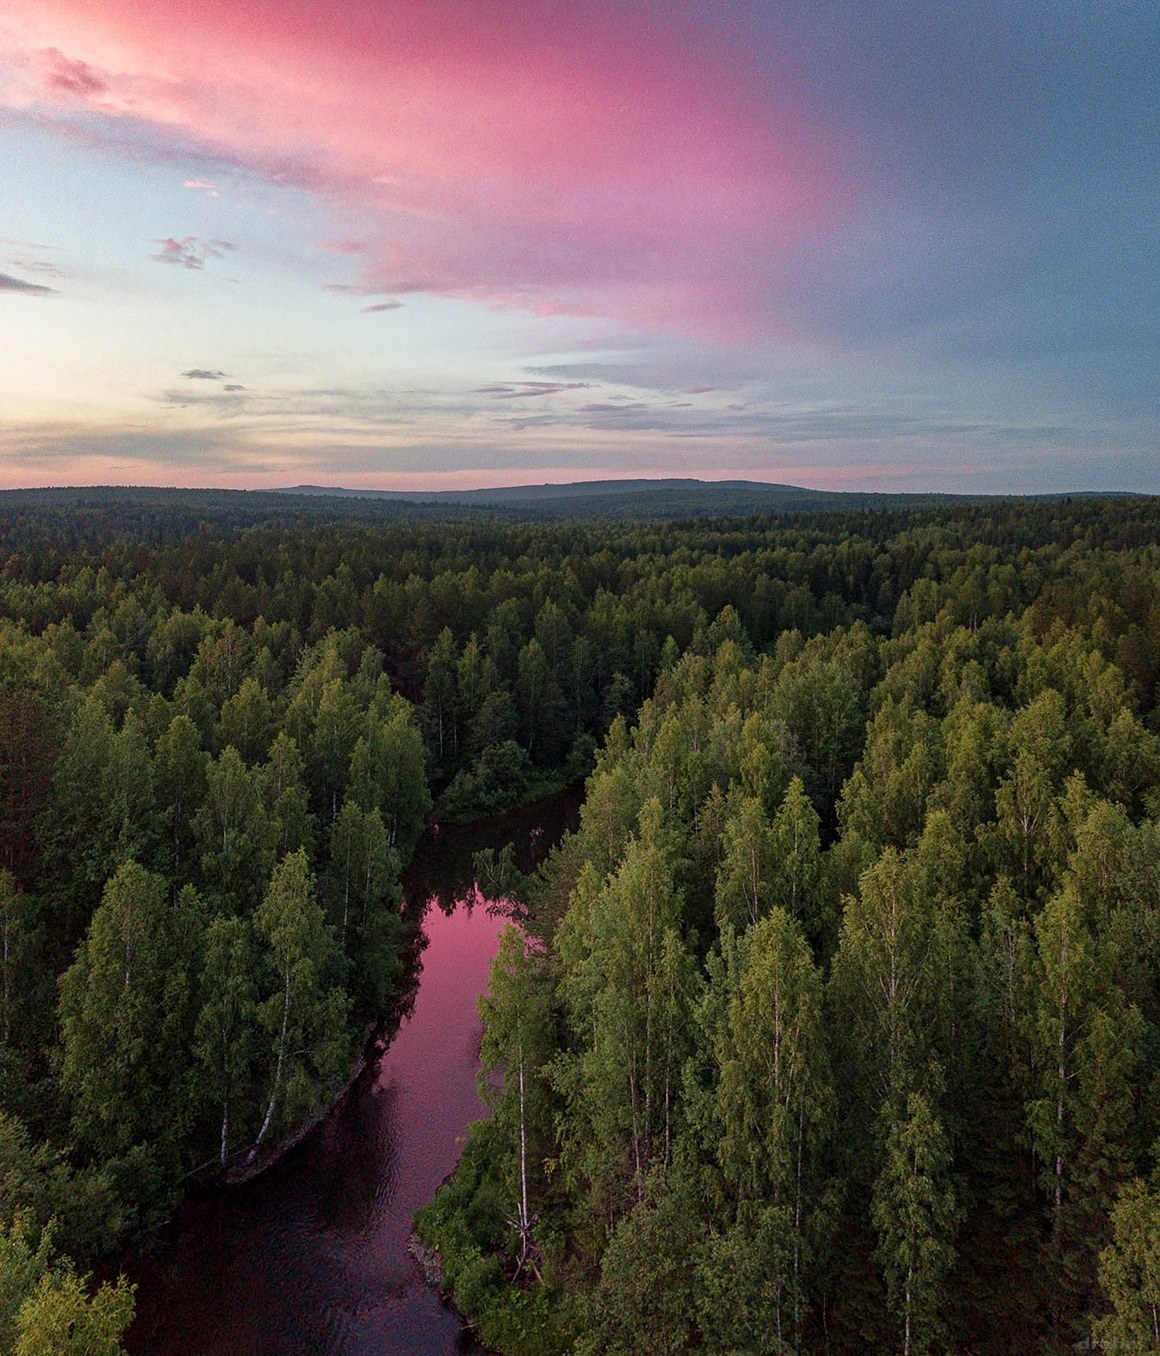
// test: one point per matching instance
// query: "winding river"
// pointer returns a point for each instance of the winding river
(310, 1259)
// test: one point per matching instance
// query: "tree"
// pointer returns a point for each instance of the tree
(915, 1213)
(518, 1041)
(745, 878)
(362, 893)
(440, 700)
(101, 809)
(773, 1103)
(797, 870)
(1130, 1272)
(303, 1016)
(629, 983)
(882, 979)
(282, 791)
(644, 1304)
(387, 773)
(1085, 1042)
(333, 739)
(125, 1014)
(233, 832)
(47, 1310)
(247, 721)
(18, 971)
(179, 781)
(226, 1035)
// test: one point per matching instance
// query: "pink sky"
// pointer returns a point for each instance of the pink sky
(545, 157)
(411, 243)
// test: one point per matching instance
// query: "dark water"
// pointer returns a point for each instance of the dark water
(310, 1259)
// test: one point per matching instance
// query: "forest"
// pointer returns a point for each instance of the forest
(835, 1026)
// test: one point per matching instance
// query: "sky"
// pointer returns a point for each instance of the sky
(886, 245)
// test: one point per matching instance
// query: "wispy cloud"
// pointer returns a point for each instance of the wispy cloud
(10, 284)
(383, 306)
(190, 252)
(204, 185)
(522, 390)
(71, 77)
(204, 374)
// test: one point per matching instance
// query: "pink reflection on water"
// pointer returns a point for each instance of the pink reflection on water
(311, 1258)
(430, 1066)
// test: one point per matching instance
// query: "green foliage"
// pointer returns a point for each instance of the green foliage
(305, 1042)
(1130, 1272)
(47, 1310)
(125, 1005)
(915, 1213)
(880, 788)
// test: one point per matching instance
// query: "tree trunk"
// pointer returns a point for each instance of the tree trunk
(277, 1073)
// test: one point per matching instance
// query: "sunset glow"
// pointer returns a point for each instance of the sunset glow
(408, 244)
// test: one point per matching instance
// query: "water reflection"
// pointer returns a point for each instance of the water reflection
(310, 1258)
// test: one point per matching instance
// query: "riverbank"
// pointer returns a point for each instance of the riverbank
(312, 1254)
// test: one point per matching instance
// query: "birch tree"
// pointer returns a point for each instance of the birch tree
(303, 1015)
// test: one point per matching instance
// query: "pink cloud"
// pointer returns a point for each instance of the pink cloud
(556, 159)
(71, 77)
(190, 252)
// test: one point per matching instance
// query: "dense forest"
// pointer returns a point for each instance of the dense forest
(836, 1023)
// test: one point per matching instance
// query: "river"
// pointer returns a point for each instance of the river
(310, 1258)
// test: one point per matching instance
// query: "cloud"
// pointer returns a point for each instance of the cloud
(523, 389)
(72, 77)
(10, 284)
(204, 374)
(8, 242)
(383, 306)
(568, 161)
(837, 206)
(617, 408)
(211, 189)
(233, 387)
(190, 252)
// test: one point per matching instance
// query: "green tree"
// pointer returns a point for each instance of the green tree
(915, 1213)
(518, 1043)
(388, 774)
(47, 1310)
(440, 701)
(179, 781)
(773, 1104)
(1130, 1272)
(744, 891)
(19, 943)
(233, 833)
(361, 887)
(302, 1019)
(796, 883)
(1085, 1043)
(125, 1015)
(247, 721)
(629, 984)
(645, 1302)
(336, 727)
(226, 1037)
(102, 809)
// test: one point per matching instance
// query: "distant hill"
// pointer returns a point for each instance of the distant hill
(578, 489)
(662, 498)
